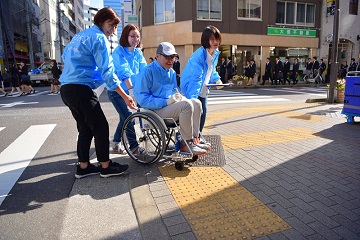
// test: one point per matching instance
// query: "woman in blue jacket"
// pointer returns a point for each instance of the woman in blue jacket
(88, 67)
(128, 61)
(200, 70)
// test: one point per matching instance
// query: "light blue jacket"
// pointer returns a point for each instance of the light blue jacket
(87, 60)
(154, 85)
(194, 73)
(128, 64)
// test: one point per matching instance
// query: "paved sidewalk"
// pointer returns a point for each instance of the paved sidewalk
(300, 160)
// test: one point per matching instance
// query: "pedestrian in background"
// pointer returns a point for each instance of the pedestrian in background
(222, 70)
(1, 83)
(200, 70)
(343, 69)
(295, 71)
(14, 78)
(229, 69)
(278, 71)
(353, 65)
(55, 79)
(309, 67)
(286, 70)
(25, 79)
(176, 67)
(128, 62)
(267, 74)
(252, 73)
(322, 68)
(151, 59)
(88, 67)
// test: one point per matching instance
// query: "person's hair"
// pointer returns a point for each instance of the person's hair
(287, 58)
(277, 57)
(151, 58)
(353, 59)
(296, 59)
(207, 33)
(125, 34)
(321, 59)
(54, 62)
(229, 58)
(268, 59)
(105, 14)
(315, 58)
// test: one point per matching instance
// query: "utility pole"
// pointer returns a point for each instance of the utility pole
(60, 29)
(29, 33)
(335, 64)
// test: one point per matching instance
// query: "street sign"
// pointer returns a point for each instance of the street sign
(291, 32)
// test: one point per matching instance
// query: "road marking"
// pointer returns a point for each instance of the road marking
(248, 100)
(17, 156)
(2, 128)
(302, 91)
(9, 105)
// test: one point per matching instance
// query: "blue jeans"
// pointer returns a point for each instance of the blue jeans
(204, 110)
(124, 112)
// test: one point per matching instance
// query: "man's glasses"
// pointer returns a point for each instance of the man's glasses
(134, 36)
(171, 57)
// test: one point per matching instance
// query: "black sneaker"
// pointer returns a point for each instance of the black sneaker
(90, 170)
(114, 169)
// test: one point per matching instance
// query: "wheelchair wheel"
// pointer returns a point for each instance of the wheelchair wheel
(142, 129)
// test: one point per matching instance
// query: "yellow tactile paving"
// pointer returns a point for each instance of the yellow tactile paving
(266, 138)
(291, 111)
(216, 206)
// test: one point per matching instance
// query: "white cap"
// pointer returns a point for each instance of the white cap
(166, 48)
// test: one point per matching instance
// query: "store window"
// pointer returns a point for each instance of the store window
(209, 9)
(294, 13)
(164, 11)
(353, 7)
(250, 9)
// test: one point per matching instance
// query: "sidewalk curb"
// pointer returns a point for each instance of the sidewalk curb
(150, 222)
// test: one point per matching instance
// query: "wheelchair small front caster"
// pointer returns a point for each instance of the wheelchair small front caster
(179, 166)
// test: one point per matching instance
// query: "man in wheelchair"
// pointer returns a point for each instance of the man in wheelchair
(156, 89)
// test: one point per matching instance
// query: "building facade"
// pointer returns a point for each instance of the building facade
(20, 37)
(348, 33)
(250, 28)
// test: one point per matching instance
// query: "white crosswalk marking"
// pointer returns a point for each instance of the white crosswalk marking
(17, 156)
(321, 91)
(230, 97)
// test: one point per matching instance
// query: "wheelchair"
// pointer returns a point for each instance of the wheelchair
(161, 139)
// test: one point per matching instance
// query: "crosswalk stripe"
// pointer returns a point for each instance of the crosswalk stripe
(17, 156)
(249, 101)
(2, 128)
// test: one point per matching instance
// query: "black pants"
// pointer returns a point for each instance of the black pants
(90, 119)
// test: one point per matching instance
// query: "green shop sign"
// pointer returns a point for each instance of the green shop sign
(291, 32)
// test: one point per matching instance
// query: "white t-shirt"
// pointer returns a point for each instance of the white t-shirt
(205, 89)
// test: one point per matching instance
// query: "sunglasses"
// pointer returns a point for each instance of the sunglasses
(171, 57)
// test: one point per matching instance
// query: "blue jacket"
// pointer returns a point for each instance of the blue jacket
(194, 73)
(87, 60)
(128, 64)
(154, 85)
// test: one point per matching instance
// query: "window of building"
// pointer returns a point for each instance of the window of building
(294, 13)
(164, 11)
(209, 9)
(353, 7)
(250, 9)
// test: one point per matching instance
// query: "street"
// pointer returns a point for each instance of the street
(308, 173)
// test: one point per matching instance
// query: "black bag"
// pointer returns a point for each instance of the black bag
(25, 78)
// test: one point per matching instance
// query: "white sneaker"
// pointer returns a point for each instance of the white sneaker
(203, 141)
(193, 148)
